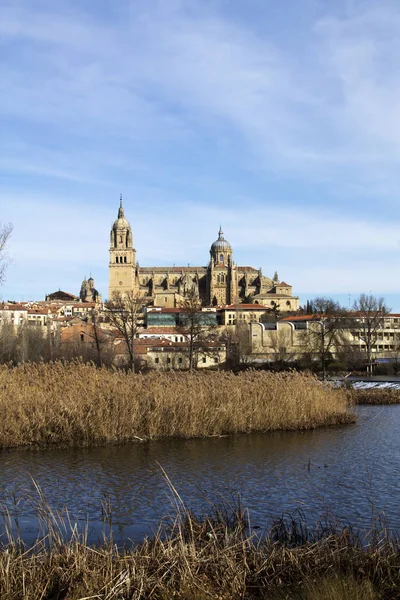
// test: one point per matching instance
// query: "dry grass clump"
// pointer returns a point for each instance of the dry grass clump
(375, 396)
(78, 404)
(213, 558)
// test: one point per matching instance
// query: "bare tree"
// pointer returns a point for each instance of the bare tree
(326, 330)
(101, 339)
(31, 343)
(7, 342)
(238, 346)
(125, 313)
(5, 232)
(197, 329)
(369, 321)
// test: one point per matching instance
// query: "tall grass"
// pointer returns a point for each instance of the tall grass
(375, 396)
(78, 404)
(195, 559)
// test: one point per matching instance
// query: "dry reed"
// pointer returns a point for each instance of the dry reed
(78, 404)
(375, 396)
(213, 558)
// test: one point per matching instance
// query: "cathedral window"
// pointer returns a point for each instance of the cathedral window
(221, 258)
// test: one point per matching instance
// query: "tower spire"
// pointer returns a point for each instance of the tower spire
(121, 210)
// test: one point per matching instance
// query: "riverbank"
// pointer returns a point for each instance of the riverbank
(77, 404)
(212, 558)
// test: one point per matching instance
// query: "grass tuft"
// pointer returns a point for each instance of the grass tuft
(194, 559)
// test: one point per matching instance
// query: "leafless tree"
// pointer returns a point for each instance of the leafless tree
(125, 313)
(7, 342)
(197, 329)
(102, 343)
(5, 233)
(326, 331)
(238, 347)
(369, 321)
(31, 343)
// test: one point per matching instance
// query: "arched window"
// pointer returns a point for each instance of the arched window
(222, 278)
(116, 259)
(124, 259)
(221, 258)
(218, 278)
(120, 259)
(120, 239)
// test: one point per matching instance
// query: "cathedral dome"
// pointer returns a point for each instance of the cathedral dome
(221, 244)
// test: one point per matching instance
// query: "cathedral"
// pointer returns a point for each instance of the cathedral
(222, 282)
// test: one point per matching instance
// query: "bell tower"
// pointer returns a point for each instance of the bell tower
(222, 273)
(122, 267)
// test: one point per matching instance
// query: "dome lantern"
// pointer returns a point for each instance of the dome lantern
(221, 250)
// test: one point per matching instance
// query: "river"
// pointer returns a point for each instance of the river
(350, 473)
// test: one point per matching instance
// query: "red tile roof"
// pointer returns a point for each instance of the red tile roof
(160, 330)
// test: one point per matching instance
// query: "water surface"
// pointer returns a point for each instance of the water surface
(349, 472)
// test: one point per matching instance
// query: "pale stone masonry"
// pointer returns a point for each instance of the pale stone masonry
(222, 282)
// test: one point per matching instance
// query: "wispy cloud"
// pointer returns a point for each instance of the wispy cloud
(201, 117)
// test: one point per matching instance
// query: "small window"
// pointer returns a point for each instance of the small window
(216, 359)
(204, 359)
(124, 259)
(157, 360)
(116, 259)
(221, 258)
(82, 337)
(180, 360)
(168, 360)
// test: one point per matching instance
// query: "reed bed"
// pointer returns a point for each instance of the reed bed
(375, 396)
(215, 558)
(81, 405)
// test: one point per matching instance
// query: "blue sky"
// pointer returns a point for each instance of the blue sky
(278, 120)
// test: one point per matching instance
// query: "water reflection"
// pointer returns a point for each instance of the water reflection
(349, 472)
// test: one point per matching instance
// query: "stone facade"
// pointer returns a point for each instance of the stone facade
(88, 292)
(221, 282)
